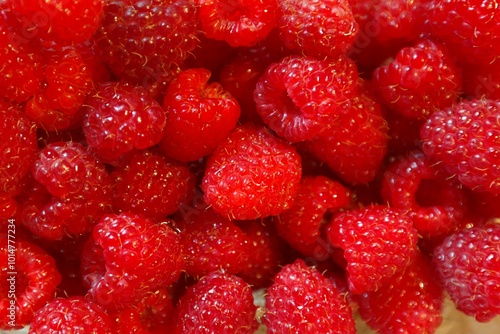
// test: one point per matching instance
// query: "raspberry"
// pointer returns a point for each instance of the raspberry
(301, 225)
(21, 72)
(68, 80)
(355, 147)
(302, 300)
(199, 116)
(471, 28)
(29, 278)
(299, 97)
(409, 302)
(251, 174)
(482, 80)
(72, 314)
(467, 265)
(463, 139)
(421, 79)
(151, 185)
(378, 241)
(120, 118)
(144, 42)
(212, 242)
(218, 303)
(239, 23)
(317, 28)
(127, 257)
(414, 183)
(18, 148)
(70, 194)
(69, 22)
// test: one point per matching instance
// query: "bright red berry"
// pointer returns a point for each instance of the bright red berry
(414, 183)
(151, 185)
(217, 303)
(239, 23)
(200, 115)
(29, 279)
(421, 79)
(127, 257)
(120, 118)
(409, 302)
(299, 97)
(463, 139)
(317, 28)
(467, 263)
(378, 241)
(252, 174)
(302, 300)
(77, 313)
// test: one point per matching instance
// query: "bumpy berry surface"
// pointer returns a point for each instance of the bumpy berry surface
(409, 302)
(299, 97)
(28, 276)
(473, 35)
(18, 148)
(145, 42)
(252, 174)
(356, 146)
(421, 79)
(301, 225)
(239, 23)
(199, 115)
(463, 139)
(63, 315)
(151, 185)
(127, 257)
(70, 191)
(120, 118)
(317, 28)
(414, 183)
(378, 241)
(468, 266)
(218, 303)
(211, 242)
(302, 300)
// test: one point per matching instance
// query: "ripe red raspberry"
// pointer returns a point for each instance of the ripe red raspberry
(299, 97)
(63, 315)
(218, 303)
(471, 28)
(145, 42)
(252, 174)
(120, 118)
(211, 242)
(317, 28)
(127, 257)
(355, 147)
(21, 72)
(71, 192)
(463, 139)
(301, 225)
(378, 241)
(29, 278)
(467, 263)
(151, 185)
(482, 80)
(200, 115)
(436, 204)
(18, 148)
(68, 22)
(421, 79)
(68, 80)
(409, 302)
(267, 252)
(239, 23)
(302, 300)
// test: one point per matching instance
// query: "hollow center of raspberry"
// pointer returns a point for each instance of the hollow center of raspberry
(231, 10)
(432, 192)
